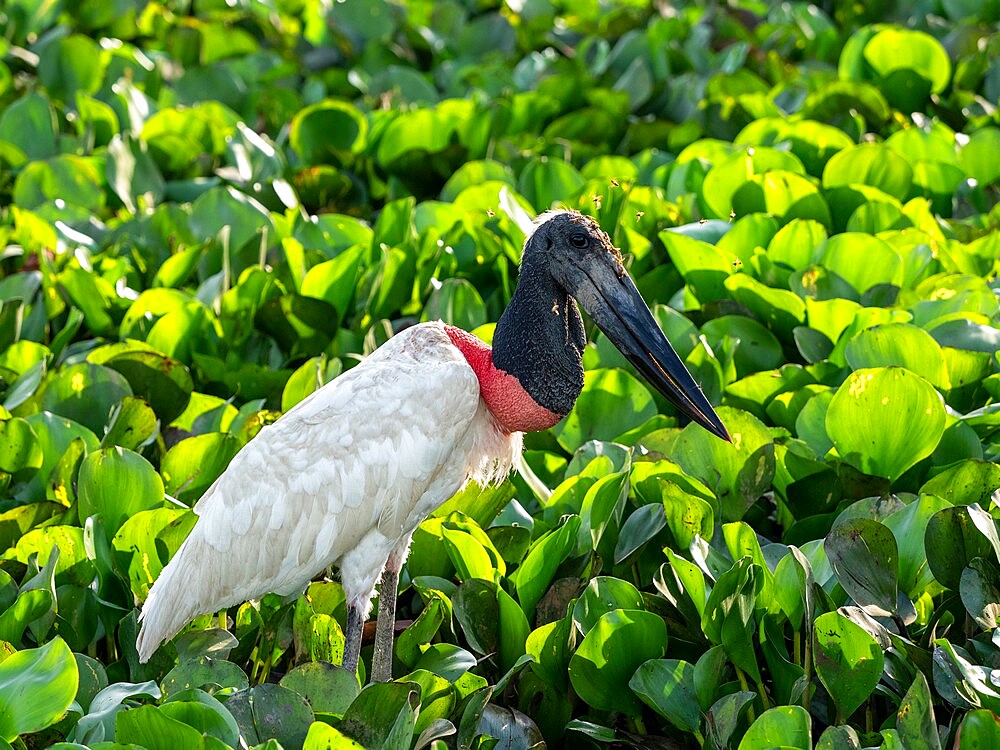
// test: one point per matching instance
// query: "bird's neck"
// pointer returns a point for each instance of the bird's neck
(532, 376)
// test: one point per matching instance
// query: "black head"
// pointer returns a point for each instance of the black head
(580, 258)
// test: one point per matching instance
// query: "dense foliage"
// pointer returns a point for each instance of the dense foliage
(212, 208)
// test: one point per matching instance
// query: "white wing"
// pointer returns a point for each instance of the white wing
(340, 478)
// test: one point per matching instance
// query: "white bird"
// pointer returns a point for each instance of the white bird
(347, 475)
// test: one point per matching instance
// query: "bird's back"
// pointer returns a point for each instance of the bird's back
(338, 479)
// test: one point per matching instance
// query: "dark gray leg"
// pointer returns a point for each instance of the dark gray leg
(386, 625)
(352, 647)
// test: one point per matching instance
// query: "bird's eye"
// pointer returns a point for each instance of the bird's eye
(578, 240)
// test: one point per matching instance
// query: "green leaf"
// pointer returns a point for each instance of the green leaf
(915, 718)
(267, 711)
(848, 660)
(602, 595)
(117, 483)
(871, 164)
(204, 672)
(900, 344)
(884, 420)
(738, 472)
(865, 557)
(191, 466)
(164, 383)
(328, 129)
(952, 541)
(667, 686)
(979, 730)
(600, 679)
(327, 688)
(85, 393)
(29, 123)
(784, 726)
(612, 402)
(383, 715)
(37, 686)
(152, 728)
(533, 576)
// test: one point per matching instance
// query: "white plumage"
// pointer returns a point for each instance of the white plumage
(343, 478)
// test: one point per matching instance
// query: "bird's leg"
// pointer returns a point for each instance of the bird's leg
(386, 624)
(352, 638)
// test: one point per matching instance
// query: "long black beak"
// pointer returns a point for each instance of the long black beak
(616, 306)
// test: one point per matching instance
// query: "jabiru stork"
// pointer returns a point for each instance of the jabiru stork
(347, 475)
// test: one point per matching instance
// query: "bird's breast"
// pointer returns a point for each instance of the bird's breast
(511, 405)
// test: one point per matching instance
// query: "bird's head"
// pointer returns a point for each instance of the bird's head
(581, 259)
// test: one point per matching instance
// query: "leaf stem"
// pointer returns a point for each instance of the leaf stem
(745, 686)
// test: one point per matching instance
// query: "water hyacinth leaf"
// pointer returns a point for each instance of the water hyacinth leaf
(979, 156)
(909, 527)
(667, 686)
(133, 424)
(843, 737)
(961, 682)
(457, 303)
(73, 565)
(780, 309)
(783, 194)
(469, 557)
(37, 686)
(725, 178)
(204, 712)
(884, 420)
(915, 718)
(150, 727)
(784, 726)
(723, 717)
(383, 715)
(848, 660)
(138, 544)
(600, 679)
(117, 484)
(892, 51)
(335, 281)
(475, 607)
(437, 698)
(324, 737)
(421, 631)
(612, 402)
(267, 711)
(729, 613)
(865, 557)
(639, 528)
(952, 541)
(85, 393)
(870, 164)
(533, 576)
(704, 267)
(513, 631)
(192, 465)
(510, 727)
(758, 348)
(980, 591)
(968, 482)
(328, 129)
(901, 344)
(602, 595)
(164, 383)
(737, 472)
(549, 645)
(204, 672)
(979, 730)
(19, 448)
